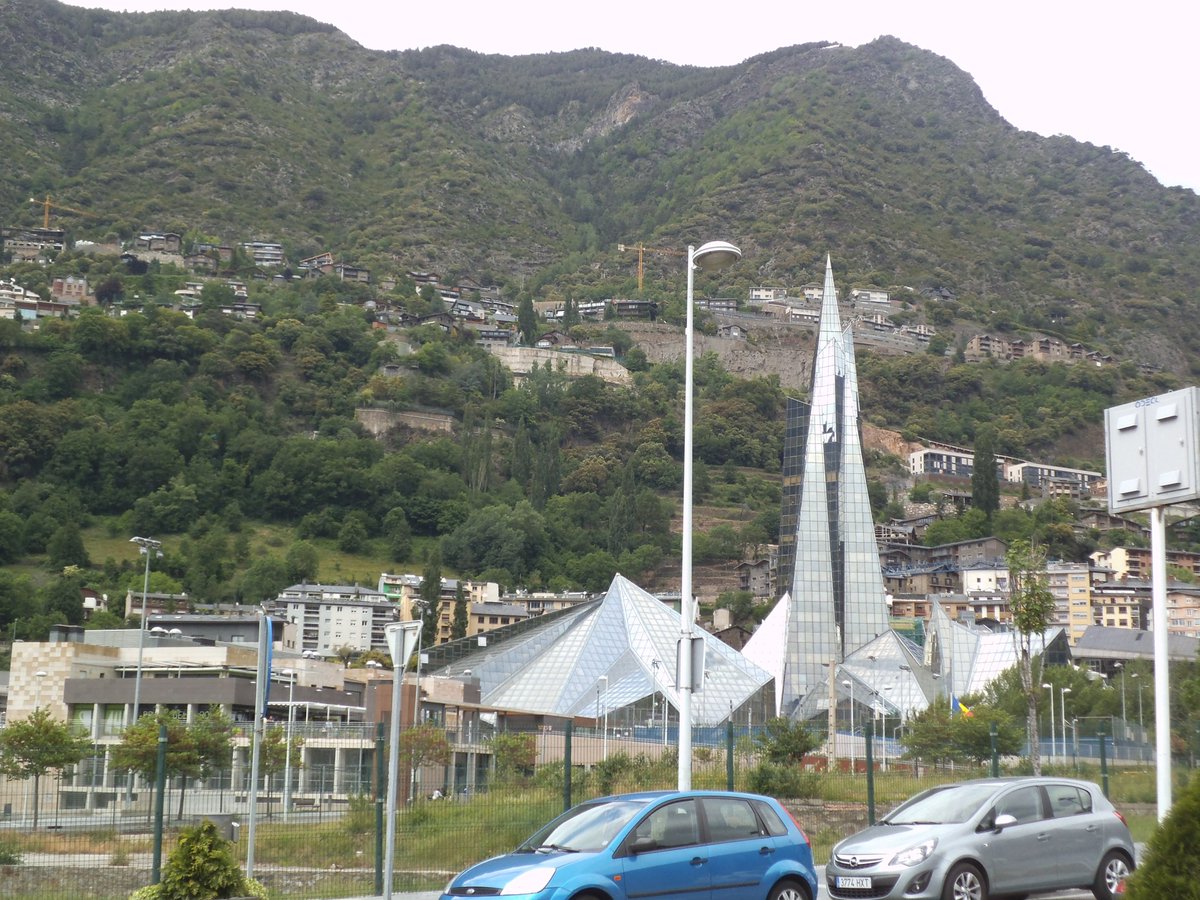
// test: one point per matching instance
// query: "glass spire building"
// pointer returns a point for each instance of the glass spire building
(829, 557)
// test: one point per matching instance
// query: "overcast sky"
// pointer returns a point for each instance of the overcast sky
(1115, 74)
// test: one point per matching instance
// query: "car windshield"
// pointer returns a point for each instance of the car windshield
(586, 828)
(954, 803)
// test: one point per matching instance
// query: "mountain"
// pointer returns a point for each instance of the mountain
(528, 171)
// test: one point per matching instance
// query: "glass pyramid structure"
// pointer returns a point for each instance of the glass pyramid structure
(628, 637)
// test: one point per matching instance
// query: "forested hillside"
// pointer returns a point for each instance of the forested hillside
(527, 172)
(235, 441)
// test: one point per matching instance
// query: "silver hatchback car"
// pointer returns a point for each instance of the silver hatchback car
(989, 838)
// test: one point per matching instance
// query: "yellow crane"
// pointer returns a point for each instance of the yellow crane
(643, 249)
(49, 204)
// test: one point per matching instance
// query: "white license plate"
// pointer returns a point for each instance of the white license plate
(853, 882)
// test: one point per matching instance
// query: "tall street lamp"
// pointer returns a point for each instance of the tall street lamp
(1049, 686)
(287, 753)
(711, 257)
(1062, 711)
(850, 684)
(1124, 722)
(148, 547)
(604, 678)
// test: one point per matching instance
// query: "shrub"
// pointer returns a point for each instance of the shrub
(201, 867)
(10, 853)
(776, 780)
(1172, 866)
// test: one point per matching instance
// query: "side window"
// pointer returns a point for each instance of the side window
(673, 825)
(730, 819)
(1024, 804)
(1067, 800)
(770, 818)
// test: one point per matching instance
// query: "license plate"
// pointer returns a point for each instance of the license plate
(853, 882)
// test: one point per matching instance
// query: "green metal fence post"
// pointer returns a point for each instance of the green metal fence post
(992, 735)
(867, 732)
(729, 754)
(567, 766)
(380, 791)
(1103, 763)
(160, 790)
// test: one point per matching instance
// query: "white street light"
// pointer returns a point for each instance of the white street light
(1062, 710)
(1049, 686)
(850, 684)
(401, 639)
(711, 257)
(287, 753)
(604, 678)
(147, 547)
(1124, 721)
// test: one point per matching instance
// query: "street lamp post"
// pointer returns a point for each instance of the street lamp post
(148, 547)
(1047, 684)
(604, 678)
(711, 257)
(850, 684)
(1062, 711)
(1124, 723)
(287, 753)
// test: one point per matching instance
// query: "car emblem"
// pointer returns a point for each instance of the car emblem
(854, 862)
(470, 890)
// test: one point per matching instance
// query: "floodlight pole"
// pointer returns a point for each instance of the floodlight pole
(1162, 681)
(401, 638)
(713, 255)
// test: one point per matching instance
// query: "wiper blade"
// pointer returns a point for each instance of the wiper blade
(558, 847)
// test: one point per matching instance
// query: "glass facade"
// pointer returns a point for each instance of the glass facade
(606, 656)
(837, 602)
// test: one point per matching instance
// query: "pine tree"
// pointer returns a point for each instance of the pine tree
(985, 485)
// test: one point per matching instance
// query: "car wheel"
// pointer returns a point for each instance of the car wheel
(788, 890)
(965, 882)
(1110, 879)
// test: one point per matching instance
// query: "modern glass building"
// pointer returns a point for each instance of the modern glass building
(837, 601)
(614, 656)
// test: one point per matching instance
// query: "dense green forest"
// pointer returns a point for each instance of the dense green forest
(235, 442)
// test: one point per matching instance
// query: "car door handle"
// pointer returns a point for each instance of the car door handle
(1091, 828)
(765, 851)
(1043, 836)
(699, 860)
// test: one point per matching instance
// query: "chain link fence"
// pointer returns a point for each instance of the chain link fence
(320, 819)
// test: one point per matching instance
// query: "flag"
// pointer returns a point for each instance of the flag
(957, 706)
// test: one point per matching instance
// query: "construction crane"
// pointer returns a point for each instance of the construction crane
(643, 249)
(49, 204)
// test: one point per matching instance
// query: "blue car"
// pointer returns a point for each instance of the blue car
(662, 845)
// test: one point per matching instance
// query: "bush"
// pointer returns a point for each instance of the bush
(1172, 866)
(10, 853)
(201, 867)
(782, 781)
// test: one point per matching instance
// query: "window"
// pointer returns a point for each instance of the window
(1068, 800)
(1024, 804)
(674, 825)
(730, 819)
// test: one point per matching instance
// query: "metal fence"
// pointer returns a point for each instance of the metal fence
(324, 838)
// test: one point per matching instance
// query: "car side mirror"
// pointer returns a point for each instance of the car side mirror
(1003, 821)
(643, 844)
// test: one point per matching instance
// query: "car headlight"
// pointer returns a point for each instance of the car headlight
(914, 855)
(530, 881)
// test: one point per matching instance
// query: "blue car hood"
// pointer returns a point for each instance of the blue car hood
(500, 870)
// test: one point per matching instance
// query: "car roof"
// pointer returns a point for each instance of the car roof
(655, 795)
